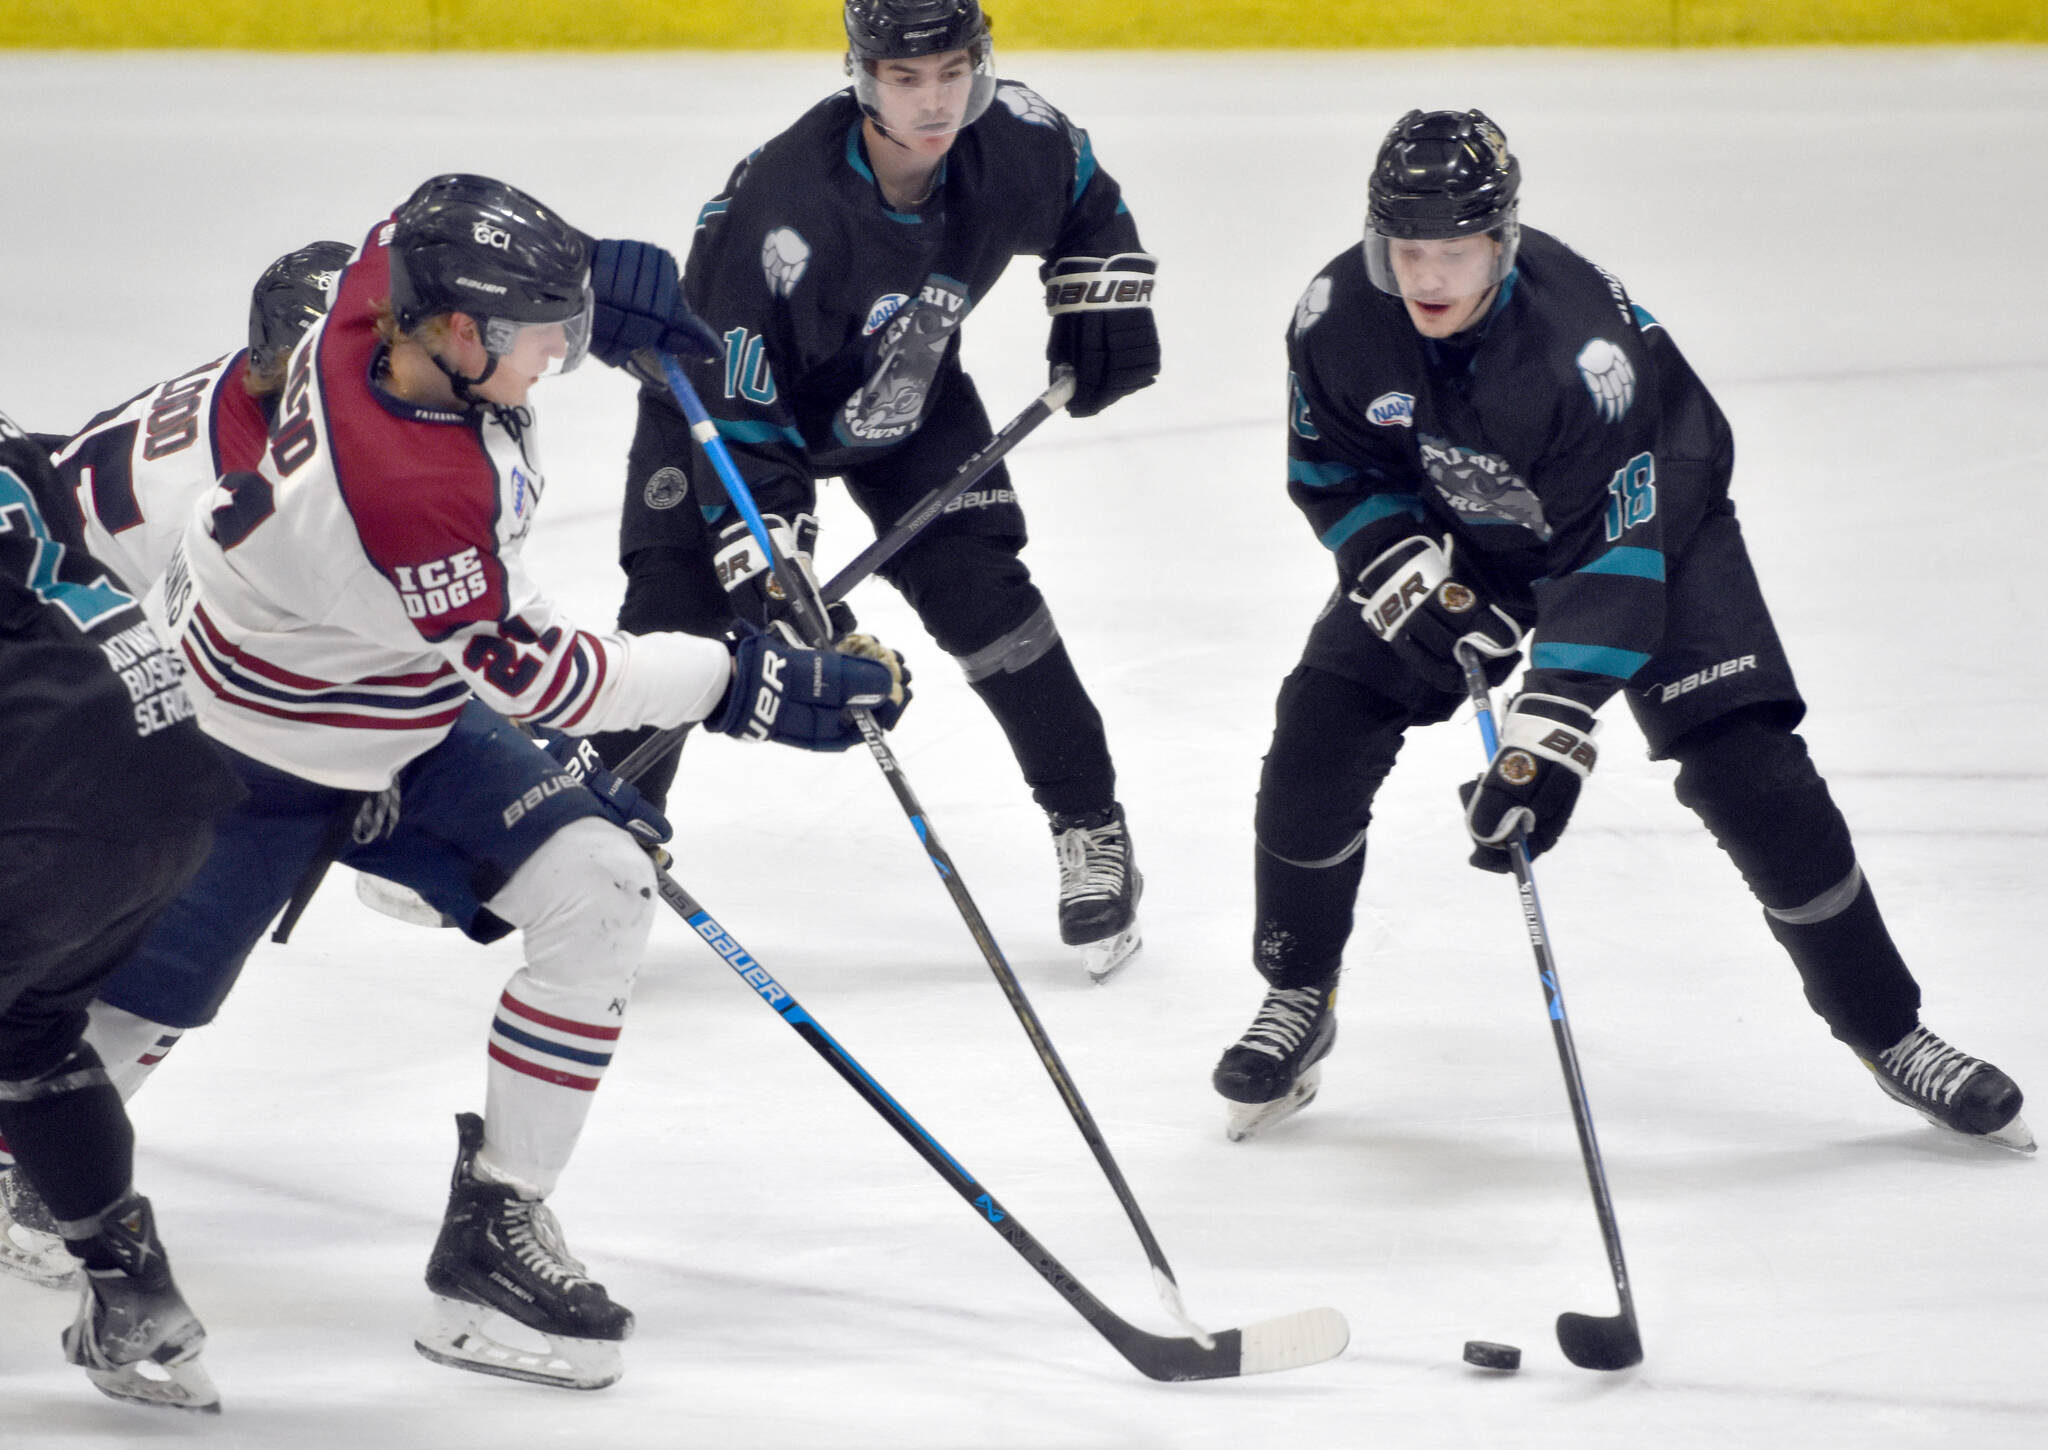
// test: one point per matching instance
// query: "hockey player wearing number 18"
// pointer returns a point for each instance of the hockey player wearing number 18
(359, 624)
(1492, 437)
(838, 267)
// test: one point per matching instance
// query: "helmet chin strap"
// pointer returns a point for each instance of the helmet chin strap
(463, 383)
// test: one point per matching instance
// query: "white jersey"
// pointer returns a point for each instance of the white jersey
(338, 605)
(136, 471)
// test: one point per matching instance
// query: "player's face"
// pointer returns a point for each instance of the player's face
(1446, 284)
(923, 99)
(536, 348)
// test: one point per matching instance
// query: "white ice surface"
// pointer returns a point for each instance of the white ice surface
(1849, 246)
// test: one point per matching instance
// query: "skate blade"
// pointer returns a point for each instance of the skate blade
(1103, 958)
(453, 1335)
(1248, 1119)
(179, 1386)
(39, 1258)
(2013, 1135)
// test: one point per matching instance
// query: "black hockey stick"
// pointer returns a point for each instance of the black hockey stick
(1588, 1340)
(1291, 1341)
(818, 633)
(889, 543)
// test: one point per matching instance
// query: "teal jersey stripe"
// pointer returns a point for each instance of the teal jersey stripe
(1084, 168)
(1588, 659)
(759, 433)
(1379, 506)
(1634, 562)
(1318, 475)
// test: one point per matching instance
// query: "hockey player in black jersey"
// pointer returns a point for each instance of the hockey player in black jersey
(838, 265)
(1492, 438)
(111, 794)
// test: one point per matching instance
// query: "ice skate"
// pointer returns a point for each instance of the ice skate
(1952, 1089)
(30, 1246)
(1099, 889)
(1272, 1072)
(501, 1254)
(134, 1336)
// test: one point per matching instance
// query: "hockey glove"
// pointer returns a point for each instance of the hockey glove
(1412, 598)
(749, 579)
(1546, 752)
(867, 647)
(798, 697)
(1102, 326)
(621, 800)
(639, 304)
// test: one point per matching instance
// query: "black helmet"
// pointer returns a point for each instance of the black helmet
(290, 297)
(1442, 174)
(473, 245)
(879, 30)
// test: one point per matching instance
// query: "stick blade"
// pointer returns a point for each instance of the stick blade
(1592, 1342)
(1292, 1340)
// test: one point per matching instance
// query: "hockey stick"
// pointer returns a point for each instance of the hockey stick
(1588, 1341)
(819, 635)
(1291, 1341)
(889, 543)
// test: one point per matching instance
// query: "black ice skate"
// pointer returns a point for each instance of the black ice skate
(501, 1253)
(134, 1336)
(1952, 1089)
(30, 1246)
(1272, 1072)
(1099, 888)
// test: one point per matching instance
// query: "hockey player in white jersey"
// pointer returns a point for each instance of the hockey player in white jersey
(135, 472)
(359, 626)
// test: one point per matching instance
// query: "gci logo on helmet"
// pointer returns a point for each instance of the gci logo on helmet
(486, 235)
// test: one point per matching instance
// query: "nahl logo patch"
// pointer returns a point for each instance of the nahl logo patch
(1392, 410)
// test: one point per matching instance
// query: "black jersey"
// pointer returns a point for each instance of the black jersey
(96, 731)
(840, 315)
(1564, 445)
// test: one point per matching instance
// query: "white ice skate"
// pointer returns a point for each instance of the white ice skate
(134, 1336)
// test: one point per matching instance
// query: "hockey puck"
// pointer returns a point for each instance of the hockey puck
(1487, 1355)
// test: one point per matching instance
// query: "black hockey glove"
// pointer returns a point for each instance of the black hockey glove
(639, 299)
(750, 584)
(1102, 326)
(1412, 598)
(1546, 752)
(799, 697)
(621, 800)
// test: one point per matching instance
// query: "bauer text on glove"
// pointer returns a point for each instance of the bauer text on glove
(1546, 752)
(798, 697)
(1102, 326)
(1411, 597)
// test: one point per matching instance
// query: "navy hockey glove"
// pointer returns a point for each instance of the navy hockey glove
(1546, 752)
(1412, 598)
(621, 800)
(750, 584)
(639, 304)
(1102, 326)
(798, 697)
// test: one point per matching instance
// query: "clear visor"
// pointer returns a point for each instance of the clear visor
(1440, 269)
(927, 95)
(542, 348)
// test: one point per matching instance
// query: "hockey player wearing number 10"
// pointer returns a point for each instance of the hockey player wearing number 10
(838, 267)
(1491, 437)
(359, 625)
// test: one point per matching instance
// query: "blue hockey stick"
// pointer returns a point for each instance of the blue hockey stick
(1589, 1341)
(817, 632)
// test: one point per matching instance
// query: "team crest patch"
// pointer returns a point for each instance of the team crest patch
(784, 257)
(666, 487)
(1393, 410)
(884, 309)
(1314, 303)
(1027, 105)
(520, 487)
(1610, 378)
